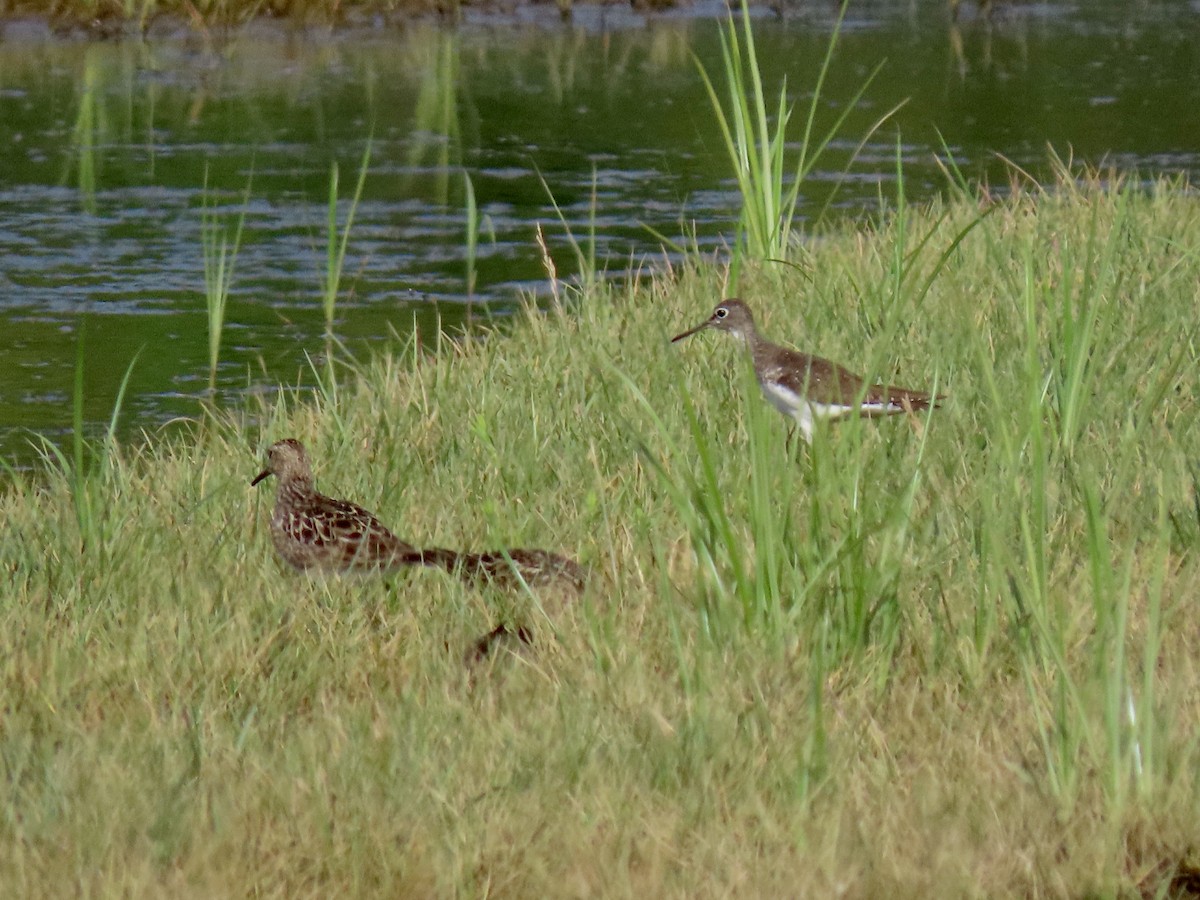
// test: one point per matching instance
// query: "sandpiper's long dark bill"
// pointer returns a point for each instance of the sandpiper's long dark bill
(313, 531)
(804, 387)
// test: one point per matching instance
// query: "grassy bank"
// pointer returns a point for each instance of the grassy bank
(949, 661)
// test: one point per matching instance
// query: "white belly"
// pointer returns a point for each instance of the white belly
(804, 411)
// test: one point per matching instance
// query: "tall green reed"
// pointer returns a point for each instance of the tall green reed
(472, 237)
(84, 133)
(337, 240)
(220, 257)
(755, 134)
(82, 468)
(436, 143)
(583, 250)
(1080, 304)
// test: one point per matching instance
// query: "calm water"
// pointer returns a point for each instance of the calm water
(107, 149)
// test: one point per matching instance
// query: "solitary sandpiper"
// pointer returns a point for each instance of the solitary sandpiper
(312, 531)
(807, 388)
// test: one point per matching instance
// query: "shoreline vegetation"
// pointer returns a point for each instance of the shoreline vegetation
(950, 658)
(944, 655)
(115, 18)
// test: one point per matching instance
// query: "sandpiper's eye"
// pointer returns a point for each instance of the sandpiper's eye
(722, 312)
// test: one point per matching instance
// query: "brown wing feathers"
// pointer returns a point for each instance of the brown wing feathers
(824, 381)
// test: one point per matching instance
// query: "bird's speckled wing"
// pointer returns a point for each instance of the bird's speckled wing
(337, 534)
(810, 376)
(537, 568)
(829, 384)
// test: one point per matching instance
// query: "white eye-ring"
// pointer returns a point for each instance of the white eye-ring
(722, 312)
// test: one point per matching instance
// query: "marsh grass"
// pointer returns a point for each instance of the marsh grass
(89, 457)
(472, 234)
(583, 249)
(85, 133)
(754, 130)
(337, 239)
(220, 258)
(945, 657)
(436, 142)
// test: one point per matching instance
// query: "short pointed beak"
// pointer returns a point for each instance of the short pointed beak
(690, 332)
(260, 476)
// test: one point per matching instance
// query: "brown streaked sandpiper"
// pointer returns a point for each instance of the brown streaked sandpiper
(313, 531)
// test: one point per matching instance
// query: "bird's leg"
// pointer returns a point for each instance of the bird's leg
(914, 420)
(794, 448)
(500, 636)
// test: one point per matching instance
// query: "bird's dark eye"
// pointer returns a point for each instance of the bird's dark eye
(722, 312)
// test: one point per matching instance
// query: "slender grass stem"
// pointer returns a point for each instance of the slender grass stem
(337, 240)
(220, 258)
(472, 236)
